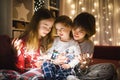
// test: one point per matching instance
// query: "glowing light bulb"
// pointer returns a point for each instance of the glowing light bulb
(93, 36)
(107, 19)
(73, 12)
(119, 43)
(96, 42)
(96, 4)
(73, 6)
(83, 8)
(110, 39)
(70, 17)
(68, 1)
(96, 23)
(106, 32)
(109, 27)
(80, 2)
(97, 29)
(93, 10)
(110, 13)
(95, 16)
(110, 6)
(119, 31)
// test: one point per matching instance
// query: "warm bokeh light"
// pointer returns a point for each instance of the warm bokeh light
(73, 6)
(107, 15)
(72, 12)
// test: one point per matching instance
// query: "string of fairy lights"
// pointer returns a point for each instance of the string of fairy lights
(38, 4)
(103, 10)
(102, 13)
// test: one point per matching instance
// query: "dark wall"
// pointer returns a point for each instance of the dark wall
(8, 56)
(5, 17)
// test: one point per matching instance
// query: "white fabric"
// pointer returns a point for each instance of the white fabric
(62, 47)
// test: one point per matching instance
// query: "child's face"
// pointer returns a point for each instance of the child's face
(45, 27)
(79, 34)
(62, 31)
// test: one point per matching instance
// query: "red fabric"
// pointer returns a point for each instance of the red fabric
(13, 75)
(26, 59)
(35, 74)
(20, 63)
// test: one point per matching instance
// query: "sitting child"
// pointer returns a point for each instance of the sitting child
(64, 52)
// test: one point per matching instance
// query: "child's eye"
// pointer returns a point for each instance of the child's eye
(81, 32)
(62, 29)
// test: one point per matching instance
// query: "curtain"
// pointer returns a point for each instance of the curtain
(107, 14)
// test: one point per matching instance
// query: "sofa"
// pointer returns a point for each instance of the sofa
(7, 55)
(102, 54)
(110, 54)
(107, 54)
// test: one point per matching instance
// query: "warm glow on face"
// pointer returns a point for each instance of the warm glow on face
(45, 27)
(78, 34)
(62, 31)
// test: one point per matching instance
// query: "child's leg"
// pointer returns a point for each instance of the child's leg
(63, 73)
(49, 70)
(54, 72)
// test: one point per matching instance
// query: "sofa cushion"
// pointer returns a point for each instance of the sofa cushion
(96, 61)
(107, 52)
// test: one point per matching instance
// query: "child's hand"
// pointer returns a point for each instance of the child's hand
(58, 61)
(61, 56)
(65, 66)
(39, 63)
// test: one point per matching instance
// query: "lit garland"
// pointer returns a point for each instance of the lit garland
(38, 4)
(106, 12)
(102, 10)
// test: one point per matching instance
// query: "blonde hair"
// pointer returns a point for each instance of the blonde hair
(33, 41)
(31, 32)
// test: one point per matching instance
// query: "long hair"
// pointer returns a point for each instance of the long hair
(31, 32)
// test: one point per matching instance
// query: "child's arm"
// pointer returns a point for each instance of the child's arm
(77, 53)
(60, 59)
(74, 62)
(70, 64)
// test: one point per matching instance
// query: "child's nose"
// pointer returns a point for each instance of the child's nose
(75, 32)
